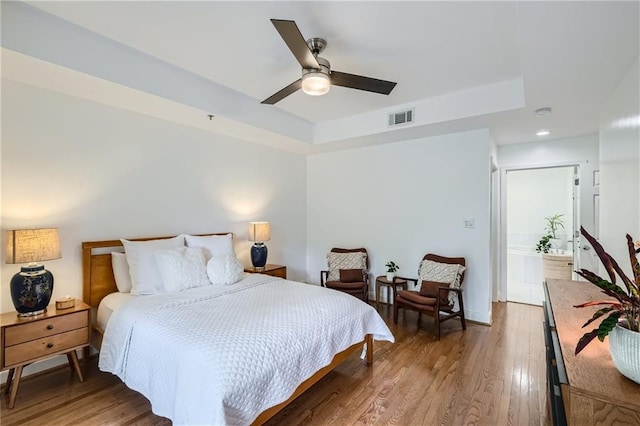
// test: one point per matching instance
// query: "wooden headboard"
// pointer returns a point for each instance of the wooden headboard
(97, 273)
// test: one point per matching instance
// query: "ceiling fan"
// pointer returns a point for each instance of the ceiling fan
(317, 76)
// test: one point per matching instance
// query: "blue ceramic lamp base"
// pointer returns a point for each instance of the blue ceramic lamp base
(31, 290)
(259, 255)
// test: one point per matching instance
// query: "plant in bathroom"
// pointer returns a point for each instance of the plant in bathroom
(544, 245)
(553, 224)
(622, 322)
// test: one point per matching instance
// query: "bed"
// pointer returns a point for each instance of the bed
(235, 354)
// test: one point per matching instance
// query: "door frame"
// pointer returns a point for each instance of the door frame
(501, 292)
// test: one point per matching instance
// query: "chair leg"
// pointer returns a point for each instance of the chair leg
(461, 306)
(395, 312)
(419, 318)
(437, 318)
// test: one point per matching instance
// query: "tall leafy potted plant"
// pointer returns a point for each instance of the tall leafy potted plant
(622, 322)
(554, 223)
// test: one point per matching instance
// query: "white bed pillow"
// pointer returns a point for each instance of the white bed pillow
(121, 272)
(214, 245)
(145, 278)
(181, 268)
(224, 269)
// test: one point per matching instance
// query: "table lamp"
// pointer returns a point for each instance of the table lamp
(31, 288)
(259, 232)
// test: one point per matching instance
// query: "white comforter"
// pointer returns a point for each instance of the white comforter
(223, 354)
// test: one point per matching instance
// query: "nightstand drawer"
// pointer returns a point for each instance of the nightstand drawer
(46, 327)
(46, 346)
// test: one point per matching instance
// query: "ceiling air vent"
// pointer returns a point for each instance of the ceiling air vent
(400, 118)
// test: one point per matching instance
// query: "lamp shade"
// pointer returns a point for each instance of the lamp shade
(259, 231)
(33, 245)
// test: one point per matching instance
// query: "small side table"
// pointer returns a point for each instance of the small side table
(269, 269)
(29, 339)
(393, 285)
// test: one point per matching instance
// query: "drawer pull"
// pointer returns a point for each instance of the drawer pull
(49, 345)
(50, 327)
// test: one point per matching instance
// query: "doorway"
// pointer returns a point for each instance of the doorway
(532, 197)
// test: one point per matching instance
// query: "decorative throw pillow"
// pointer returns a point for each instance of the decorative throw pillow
(337, 261)
(350, 275)
(224, 270)
(145, 278)
(448, 273)
(214, 245)
(121, 272)
(430, 289)
(181, 268)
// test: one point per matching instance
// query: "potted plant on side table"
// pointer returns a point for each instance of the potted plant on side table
(622, 322)
(392, 268)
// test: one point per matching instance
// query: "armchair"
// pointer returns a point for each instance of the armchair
(348, 271)
(436, 293)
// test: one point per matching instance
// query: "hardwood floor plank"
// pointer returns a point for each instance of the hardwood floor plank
(485, 376)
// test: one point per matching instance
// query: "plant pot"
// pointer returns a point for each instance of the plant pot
(624, 346)
(391, 276)
(555, 245)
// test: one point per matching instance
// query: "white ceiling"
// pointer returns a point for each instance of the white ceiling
(570, 55)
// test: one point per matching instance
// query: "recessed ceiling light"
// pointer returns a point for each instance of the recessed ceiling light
(543, 132)
(541, 112)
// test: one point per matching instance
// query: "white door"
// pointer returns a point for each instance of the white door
(584, 254)
(576, 222)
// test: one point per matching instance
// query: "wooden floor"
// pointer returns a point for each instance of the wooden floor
(485, 376)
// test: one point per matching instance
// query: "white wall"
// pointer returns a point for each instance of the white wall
(403, 200)
(96, 172)
(100, 173)
(533, 195)
(620, 168)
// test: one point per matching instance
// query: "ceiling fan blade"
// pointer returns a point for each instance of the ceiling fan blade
(362, 83)
(293, 38)
(277, 97)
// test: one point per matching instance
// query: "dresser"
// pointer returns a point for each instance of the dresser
(586, 389)
(26, 340)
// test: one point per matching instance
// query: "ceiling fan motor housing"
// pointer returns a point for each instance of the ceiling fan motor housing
(325, 67)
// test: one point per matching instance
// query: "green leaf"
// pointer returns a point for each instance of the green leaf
(607, 325)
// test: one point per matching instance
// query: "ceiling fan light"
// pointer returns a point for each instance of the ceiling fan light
(315, 83)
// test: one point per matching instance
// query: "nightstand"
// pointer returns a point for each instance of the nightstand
(26, 340)
(273, 270)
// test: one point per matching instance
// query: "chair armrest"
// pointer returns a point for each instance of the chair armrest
(412, 280)
(323, 277)
(457, 290)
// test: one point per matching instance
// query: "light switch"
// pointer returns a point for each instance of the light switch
(469, 223)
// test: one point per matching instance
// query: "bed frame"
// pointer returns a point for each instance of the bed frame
(98, 281)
